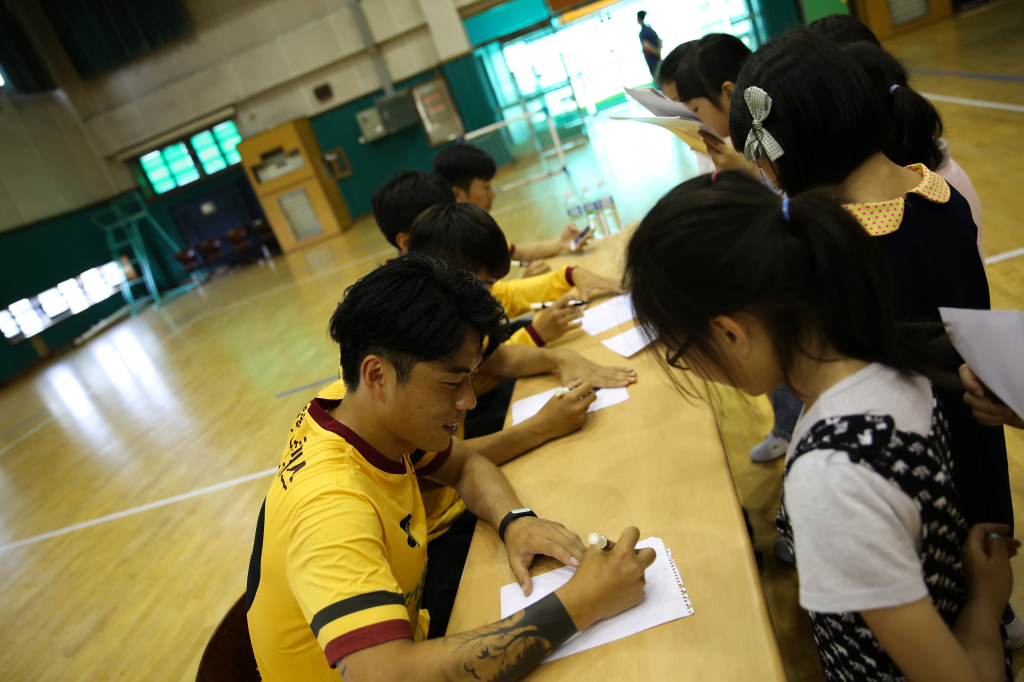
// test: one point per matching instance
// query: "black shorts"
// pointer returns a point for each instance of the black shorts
(446, 559)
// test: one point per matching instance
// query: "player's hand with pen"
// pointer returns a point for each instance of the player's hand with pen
(537, 267)
(586, 282)
(553, 322)
(574, 367)
(563, 413)
(607, 582)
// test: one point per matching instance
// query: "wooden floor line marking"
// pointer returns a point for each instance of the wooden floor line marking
(11, 431)
(968, 74)
(974, 102)
(1006, 255)
(270, 292)
(27, 433)
(139, 509)
(333, 377)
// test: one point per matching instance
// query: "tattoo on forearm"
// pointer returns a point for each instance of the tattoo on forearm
(507, 650)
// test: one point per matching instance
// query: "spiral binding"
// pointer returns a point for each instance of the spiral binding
(679, 581)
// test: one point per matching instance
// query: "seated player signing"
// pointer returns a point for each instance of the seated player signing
(338, 570)
(469, 170)
(467, 237)
(398, 202)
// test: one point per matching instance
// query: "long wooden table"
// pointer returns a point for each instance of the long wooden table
(656, 462)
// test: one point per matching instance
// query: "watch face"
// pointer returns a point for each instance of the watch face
(524, 510)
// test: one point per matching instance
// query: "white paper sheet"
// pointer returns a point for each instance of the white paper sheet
(665, 599)
(629, 343)
(992, 343)
(527, 407)
(659, 105)
(609, 314)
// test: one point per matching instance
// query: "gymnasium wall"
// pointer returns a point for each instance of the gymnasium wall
(48, 163)
(35, 257)
(262, 57)
(375, 162)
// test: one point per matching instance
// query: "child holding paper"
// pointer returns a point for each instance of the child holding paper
(985, 409)
(821, 122)
(794, 290)
(705, 80)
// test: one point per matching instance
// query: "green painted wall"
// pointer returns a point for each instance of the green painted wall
(36, 257)
(816, 9)
(376, 162)
(778, 16)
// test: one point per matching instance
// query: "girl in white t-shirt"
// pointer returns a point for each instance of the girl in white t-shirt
(750, 290)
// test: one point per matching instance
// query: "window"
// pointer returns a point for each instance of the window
(29, 316)
(205, 153)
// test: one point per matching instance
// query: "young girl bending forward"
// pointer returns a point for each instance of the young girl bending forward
(750, 290)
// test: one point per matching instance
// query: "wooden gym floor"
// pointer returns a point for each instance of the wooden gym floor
(133, 467)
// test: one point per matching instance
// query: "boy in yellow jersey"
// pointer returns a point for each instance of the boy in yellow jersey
(338, 569)
(469, 170)
(398, 202)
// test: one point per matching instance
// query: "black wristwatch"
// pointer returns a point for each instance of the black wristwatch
(512, 516)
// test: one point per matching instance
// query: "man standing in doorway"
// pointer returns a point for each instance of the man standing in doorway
(651, 43)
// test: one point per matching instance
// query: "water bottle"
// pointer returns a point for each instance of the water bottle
(592, 210)
(609, 213)
(574, 210)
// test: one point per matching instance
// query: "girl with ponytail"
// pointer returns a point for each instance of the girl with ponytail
(810, 117)
(750, 290)
(913, 124)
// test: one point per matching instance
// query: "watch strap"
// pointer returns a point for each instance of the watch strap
(512, 516)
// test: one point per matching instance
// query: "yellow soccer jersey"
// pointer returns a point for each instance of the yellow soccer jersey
(516, 295)
(443, 505)
(340, 554)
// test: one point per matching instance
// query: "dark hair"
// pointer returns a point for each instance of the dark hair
(716, 59)
(641, 15)
(414, 309)
(460, 164)
(825, 113)
(818, 275)
(465, 236)
(912, 122)
(673, 59)
(398, 201)
(842, 29)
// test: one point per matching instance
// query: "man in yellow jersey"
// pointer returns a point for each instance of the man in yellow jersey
(339, 565)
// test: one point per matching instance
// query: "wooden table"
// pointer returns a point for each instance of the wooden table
(656, 462)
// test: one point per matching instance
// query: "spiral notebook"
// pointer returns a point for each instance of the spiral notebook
(665, 599)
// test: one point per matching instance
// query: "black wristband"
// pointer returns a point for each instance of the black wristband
(550, 618)
(510, 517)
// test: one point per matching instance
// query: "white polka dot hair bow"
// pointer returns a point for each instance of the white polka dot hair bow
(760, 142)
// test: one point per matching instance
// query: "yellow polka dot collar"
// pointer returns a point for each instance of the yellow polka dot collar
(884, 217)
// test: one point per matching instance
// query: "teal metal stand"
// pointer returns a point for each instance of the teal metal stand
(121, 222)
